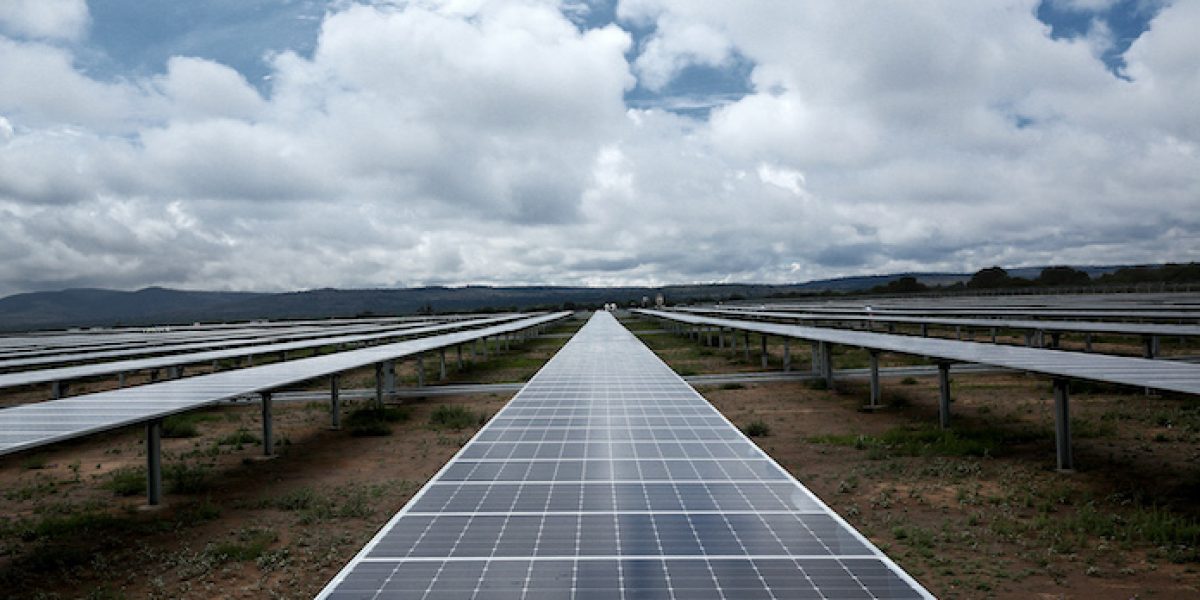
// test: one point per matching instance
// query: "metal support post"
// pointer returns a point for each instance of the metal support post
(874, 380)
(958, 332)
(1151, 342)
(389, 379)
(1087, 342)
(442, 365)
(993, 335)
(1055, 338)
(335, 403)
(121, 379)
(485, 348)
(787, 354)
(827, 364)
(763, 339)
(57, 389)
(721, 339)
(815, 351)
(268, 430)
(746, 344)
(378, 385)
(420, 371)
(1062, 423)
(944, 388)
(154, 462)
(458, 352)
(924, 330)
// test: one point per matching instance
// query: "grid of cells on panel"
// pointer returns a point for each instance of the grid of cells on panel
(608, 476)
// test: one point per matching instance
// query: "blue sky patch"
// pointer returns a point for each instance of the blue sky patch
(1126, 19)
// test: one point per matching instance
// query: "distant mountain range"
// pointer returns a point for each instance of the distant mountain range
(99, 307)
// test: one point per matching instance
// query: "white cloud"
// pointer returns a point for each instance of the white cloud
(489, 142)
(676, 46)
(50, 19)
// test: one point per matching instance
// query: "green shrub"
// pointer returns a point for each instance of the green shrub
(182, 478)
(238, 438)
(127, 481)
(455, 417)
(366, 422)
(758, 429)
(251, 543)
(184, 425)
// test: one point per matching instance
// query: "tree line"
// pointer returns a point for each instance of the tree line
(994, 278)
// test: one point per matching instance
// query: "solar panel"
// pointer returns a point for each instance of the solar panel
(607, 476)
(158, 362)
(1139, 372)
(208, 341)
(1045, 325)
(31, 425)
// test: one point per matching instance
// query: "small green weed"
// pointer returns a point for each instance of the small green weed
(182, 478)
(127, 481)
(370, 422)
(758, 429)
(239, 438)
(250, 544)
(455, 417)
(34, 462)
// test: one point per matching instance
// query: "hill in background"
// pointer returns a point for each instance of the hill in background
(99, 307)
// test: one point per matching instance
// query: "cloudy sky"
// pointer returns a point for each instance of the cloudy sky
(276, 145)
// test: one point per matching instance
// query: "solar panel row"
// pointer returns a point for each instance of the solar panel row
(608, 476)
(41, 423)
(33, 377)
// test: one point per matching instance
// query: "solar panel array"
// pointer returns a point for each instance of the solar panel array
(608, 476)
(1138, 372)
(1044, 325)
(37, 424)
(32, 377)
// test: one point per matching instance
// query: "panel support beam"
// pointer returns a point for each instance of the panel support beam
(763, 340)
(787, 354)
